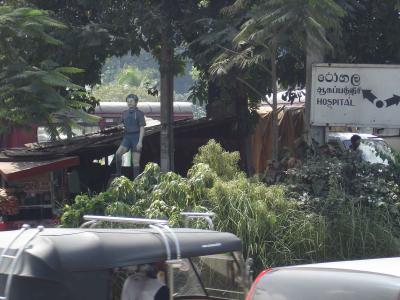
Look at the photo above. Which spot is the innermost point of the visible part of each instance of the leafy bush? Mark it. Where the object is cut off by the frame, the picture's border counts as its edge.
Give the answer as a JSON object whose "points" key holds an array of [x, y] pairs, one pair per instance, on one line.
{"points": [[328, 209], [223, 163], [359, 201], [273, 228], [83, 204]]}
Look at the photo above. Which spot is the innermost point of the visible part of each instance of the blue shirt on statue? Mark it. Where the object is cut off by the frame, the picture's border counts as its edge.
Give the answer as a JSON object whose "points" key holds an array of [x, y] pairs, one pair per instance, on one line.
{"points": [[133, 119]]}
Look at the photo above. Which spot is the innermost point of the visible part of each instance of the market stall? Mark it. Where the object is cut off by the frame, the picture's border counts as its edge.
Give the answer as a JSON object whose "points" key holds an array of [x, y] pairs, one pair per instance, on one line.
{"points": [[31, 190]]}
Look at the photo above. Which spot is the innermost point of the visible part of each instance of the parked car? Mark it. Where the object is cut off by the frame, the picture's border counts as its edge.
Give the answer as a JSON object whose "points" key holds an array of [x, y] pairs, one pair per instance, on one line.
{"points": [[348, 280], [374, 149]]}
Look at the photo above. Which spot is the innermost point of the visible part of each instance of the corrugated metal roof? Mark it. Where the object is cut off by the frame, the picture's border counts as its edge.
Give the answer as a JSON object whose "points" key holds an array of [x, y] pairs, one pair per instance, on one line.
{"points": [[108, 138], [20, 169]]}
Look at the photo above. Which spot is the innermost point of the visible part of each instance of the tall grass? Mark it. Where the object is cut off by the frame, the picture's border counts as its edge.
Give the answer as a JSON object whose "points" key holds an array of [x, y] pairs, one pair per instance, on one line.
{"points": [[355, 232], [273, 229]]}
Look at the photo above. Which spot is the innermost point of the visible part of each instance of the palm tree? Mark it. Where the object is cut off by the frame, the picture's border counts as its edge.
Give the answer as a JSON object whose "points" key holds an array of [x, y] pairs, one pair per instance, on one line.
{"points": [[274, 27]]}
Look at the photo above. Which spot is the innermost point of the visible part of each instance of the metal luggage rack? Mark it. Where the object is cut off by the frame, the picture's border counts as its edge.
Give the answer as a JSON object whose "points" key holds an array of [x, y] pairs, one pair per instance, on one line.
{"points": [[161, 226], [15, 258]]}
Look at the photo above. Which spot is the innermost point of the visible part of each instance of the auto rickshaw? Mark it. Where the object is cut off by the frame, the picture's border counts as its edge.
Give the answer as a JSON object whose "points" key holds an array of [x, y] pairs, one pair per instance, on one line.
{"points": [[91, 263]]}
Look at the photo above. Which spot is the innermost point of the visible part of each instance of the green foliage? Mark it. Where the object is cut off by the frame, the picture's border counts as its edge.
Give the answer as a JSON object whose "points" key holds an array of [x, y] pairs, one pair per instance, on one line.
{"points": [[33, 89], [375, 26], [356, 231], [223, 163], [132, 76], [359, 201], [276, 31], [273, 229], [141, 74], [118, 92], [83, 204], [321, 213], [34, 23], [199, 89], [119, 82], [123, 190]]}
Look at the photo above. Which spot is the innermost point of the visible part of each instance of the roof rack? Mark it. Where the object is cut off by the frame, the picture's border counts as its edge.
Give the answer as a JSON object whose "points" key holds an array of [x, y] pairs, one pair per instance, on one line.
{"points": [[161, 226], [208, 216], [92, 220], [15, 258]]}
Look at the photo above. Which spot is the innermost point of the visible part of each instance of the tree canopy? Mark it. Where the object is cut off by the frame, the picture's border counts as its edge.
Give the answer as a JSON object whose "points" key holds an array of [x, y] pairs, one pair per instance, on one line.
{"points": [[33, 88], [228, 29]]}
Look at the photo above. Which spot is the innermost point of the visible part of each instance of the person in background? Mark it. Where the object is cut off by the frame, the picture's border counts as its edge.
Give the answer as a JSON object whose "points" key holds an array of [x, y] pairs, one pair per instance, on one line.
{"points": [[355, 142], [143, 284], [134, 122], [355, 148]]}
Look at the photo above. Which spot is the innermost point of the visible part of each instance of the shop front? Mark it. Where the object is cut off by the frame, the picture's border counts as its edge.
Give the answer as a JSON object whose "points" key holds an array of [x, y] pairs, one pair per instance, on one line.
{"points": [[33, 192]]}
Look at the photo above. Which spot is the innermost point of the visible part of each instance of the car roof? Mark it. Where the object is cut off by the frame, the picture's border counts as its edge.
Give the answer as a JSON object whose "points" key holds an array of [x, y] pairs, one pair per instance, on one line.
{"points": [[348, 280], [69, 250], [385, 266], [348, 135]]}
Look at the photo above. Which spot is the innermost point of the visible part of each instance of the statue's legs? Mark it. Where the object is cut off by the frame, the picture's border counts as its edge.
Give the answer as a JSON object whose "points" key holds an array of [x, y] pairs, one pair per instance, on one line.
{"points": [[118, 159], [136, 163]]}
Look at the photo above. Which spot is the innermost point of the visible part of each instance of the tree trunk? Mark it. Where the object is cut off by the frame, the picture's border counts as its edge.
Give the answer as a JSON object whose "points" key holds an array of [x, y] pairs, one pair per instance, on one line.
{"points": [[238, 93], [275, 129], [167, 98], [313, 55]]}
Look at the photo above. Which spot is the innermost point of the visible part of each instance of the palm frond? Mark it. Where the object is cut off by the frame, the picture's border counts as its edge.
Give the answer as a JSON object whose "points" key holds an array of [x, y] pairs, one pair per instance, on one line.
{"points": [[236, 7], [316, 32]]}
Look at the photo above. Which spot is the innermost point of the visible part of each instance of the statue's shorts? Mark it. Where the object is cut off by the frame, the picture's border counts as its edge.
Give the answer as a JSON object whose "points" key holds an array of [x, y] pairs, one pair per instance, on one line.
{"points": [[130, 141]]}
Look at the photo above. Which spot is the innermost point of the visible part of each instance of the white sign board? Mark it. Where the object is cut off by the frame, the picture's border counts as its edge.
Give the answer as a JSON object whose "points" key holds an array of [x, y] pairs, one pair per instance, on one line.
{"points": [[355, 95]]}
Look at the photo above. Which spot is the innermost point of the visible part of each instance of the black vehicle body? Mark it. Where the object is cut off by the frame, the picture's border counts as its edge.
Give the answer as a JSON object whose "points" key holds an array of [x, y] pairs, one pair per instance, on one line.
{"points": [[78, 264]]}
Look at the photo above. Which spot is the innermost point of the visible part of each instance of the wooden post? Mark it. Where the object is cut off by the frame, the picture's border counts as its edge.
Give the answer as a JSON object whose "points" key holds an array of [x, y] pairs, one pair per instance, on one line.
{"points": [[167, 98]]}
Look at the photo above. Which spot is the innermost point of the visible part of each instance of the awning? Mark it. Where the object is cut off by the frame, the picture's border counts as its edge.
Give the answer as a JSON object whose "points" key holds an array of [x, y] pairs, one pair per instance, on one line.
{"points": [[20, 169]]}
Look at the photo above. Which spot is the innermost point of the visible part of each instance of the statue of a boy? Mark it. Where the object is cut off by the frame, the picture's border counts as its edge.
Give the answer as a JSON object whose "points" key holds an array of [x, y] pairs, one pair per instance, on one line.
{"points": [[134, 122]]}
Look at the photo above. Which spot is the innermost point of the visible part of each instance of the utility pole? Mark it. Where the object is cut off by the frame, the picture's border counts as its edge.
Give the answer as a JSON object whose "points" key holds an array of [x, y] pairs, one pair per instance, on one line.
{"points": [[167, 97]]}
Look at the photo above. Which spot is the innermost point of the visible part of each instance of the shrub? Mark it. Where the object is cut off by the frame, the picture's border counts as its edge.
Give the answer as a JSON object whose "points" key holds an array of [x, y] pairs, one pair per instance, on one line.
{"points": [[327, 209], [359, 202], [223, 163]]}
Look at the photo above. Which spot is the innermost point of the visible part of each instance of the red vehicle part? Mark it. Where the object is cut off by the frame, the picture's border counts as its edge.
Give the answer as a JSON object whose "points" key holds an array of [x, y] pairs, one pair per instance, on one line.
{"points": [[254, 285], [3, 225]]}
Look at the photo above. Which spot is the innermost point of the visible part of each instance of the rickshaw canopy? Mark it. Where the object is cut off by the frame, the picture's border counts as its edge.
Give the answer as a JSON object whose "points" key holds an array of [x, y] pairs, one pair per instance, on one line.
{"points": [[77, 264], [93, 249]]}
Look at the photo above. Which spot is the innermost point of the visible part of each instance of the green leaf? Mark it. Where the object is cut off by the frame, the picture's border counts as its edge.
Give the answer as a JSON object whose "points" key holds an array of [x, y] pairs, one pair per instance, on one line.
{"points": [[69, 70], [54, 80]]}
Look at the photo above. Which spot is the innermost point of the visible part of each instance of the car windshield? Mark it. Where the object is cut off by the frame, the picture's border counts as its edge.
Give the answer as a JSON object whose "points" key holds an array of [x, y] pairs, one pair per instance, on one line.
{"points": [[374, 150]]}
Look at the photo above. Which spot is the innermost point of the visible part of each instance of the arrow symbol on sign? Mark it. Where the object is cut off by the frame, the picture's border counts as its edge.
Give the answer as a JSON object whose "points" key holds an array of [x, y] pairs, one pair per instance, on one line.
{"points": [[395, 100], [367, 94]]}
